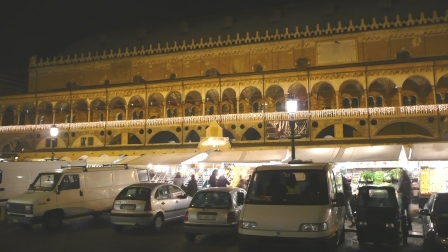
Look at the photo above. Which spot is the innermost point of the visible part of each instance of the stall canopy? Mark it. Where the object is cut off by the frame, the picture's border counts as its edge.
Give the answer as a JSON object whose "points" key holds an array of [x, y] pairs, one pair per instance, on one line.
{"points": [[318, 155], [104, 160], [371, 153], [164, 159], [251, 156], [429, 152]]}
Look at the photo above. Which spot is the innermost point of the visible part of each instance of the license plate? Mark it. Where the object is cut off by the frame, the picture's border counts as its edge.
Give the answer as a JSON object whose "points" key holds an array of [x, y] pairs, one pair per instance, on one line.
{"points": [[206, 216], [128, 207]]}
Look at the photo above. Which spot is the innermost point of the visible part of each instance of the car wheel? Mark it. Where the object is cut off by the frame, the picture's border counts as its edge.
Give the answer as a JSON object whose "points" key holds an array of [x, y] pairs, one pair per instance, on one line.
{"points": [[118, 228], [157, 223], [190, 237], [52, 221]]}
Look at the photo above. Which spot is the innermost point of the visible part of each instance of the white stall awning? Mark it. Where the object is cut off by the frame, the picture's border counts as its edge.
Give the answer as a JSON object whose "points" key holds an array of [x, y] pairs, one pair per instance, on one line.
{"points": [[429, 152], [103, 160], [251, 156], [318, 155], [371, 153], [162, 159]]}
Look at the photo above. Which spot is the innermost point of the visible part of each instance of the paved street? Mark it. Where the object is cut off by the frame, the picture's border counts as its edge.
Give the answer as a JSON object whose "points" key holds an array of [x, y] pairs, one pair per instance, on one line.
{"points": [[89, 234]]}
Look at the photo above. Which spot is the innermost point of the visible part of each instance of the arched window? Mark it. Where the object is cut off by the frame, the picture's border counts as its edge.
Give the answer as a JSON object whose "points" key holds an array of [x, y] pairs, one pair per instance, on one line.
{"points": [[405, 101], [371, 102], [439, 99], [174, 114], [255, 107], [355, 102], [74, 119], [187, 112], [305, 105], [193, 111], [224, 109], [67, 118], [241, 106], [101, 117], [258, 68], [211, 110], [379, 101], [346, 103], [119, 117], [41, 120], [278, 106], [168, 113], [413, 100]]}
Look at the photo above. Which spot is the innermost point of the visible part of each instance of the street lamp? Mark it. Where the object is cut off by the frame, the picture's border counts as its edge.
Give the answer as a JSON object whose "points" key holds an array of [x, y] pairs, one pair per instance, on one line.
{"points": [[53, 132], [291, 108]]}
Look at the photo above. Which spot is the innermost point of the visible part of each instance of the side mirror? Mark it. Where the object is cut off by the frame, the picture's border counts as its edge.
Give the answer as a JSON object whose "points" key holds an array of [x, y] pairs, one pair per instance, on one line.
{"points": [[240, 198], [424, 212], [59, 189], [339, 200]]}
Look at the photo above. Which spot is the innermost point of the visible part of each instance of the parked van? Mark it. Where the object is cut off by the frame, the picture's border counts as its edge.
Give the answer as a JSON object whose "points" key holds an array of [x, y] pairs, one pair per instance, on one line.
{"points": [[16, 177], [68, 193], [293, 205]]}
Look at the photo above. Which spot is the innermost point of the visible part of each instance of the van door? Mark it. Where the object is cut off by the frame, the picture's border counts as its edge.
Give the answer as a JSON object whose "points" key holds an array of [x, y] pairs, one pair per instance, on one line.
{"points": [[70, 197], [165, 202]]}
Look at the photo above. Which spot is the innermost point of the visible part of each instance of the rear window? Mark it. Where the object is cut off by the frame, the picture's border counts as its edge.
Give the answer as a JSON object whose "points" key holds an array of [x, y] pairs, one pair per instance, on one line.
{"points": [[288, 187], [134, 193], [211, 200], [377, 198]]}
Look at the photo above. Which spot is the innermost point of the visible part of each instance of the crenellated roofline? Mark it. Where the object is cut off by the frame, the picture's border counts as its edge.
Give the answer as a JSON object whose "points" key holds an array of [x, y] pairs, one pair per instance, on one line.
{"points": [[246, 39]]}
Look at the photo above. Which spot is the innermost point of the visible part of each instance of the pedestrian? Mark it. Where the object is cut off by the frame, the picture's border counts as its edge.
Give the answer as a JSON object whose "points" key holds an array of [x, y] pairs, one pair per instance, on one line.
{"points": [[348, 197], [213, 180], [192, 186], [405, 190], [242, 183], [178, 180], [223, 181]]}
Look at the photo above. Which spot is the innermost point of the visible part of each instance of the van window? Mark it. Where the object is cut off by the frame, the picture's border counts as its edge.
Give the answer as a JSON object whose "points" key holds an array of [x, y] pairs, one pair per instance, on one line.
{"points": [[70, 181], [45, 181], [143, 175], [288, 187]]}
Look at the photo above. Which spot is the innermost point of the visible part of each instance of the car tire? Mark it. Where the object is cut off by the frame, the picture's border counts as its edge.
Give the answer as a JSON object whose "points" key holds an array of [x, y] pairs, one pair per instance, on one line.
{"points": [[118, 228], [190, 237], [52, 221], [157, 223]]}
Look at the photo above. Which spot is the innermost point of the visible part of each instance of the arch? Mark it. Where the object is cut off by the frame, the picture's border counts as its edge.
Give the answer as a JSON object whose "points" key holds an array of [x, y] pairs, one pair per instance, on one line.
{"points": [[326, 132], [299, 92], [97, 110], [13, 146], [249, 95], [251, 134], [136, 107], [118, 117], [212, 72], [117, 108], [403, 128], [258, 68], [302, 63], [62, 109], [164, 137], [442, 90], [350, 131], [45, 112], [351, 89], [419, 87], [155, 106], [224, 109], [228, 134], [324, 96], [133, 139], [80, 111], [116, 140], [8, 115], [274, 94], [193, 101], [193, 136], [27, 114], [385, 88], [173, 102], [229, 98]]}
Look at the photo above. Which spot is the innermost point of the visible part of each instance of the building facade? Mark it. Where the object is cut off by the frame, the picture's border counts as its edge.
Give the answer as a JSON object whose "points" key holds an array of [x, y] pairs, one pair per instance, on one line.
{"points": [[367, 81]]}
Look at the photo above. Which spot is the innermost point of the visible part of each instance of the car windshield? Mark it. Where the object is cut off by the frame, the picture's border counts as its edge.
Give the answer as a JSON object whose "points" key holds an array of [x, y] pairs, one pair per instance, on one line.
{"points": [[134, 193], [373, 197], [45, 181], [209, 199], [288, 187], [441, 205]]}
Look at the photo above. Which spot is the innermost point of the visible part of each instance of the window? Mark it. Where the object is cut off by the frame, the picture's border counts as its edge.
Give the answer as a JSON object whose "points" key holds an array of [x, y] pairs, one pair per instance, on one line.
{"points": [[101, 117], [405, 101], [83, 141], [193, 111], [90, 139], [346, 103], [70, 181], [162, 193], [225, 109], [48, 142], [119, 117], [86, 141], [413, 100], [255, 107], [278, 106], [142, 175], [379, 101], [371, 102], [241, 106], [187, 112], [355, 102]]}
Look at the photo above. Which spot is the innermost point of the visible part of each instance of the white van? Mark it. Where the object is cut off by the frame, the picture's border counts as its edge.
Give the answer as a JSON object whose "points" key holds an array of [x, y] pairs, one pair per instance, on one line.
{"points": [[68, 193], [16, 177], [293, 205]]}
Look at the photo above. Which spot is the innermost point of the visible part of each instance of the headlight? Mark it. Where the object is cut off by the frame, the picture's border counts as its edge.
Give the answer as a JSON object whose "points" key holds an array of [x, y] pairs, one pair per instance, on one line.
{"points": [[313, 227], [248, 225], [390, 225]]}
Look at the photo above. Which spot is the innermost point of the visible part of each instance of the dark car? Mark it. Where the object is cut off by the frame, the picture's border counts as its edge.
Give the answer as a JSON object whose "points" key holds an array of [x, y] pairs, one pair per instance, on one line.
{"points": [[435, 222], [379, 218]]}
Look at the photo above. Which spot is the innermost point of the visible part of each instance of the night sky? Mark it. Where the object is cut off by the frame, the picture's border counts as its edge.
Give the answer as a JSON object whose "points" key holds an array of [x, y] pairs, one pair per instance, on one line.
{"points": [[45, 27]]}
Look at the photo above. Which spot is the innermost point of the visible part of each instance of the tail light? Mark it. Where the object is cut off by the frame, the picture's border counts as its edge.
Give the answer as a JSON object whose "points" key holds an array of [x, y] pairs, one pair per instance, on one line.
{"points": [[148, 205], [231, 217], [186, 216]]}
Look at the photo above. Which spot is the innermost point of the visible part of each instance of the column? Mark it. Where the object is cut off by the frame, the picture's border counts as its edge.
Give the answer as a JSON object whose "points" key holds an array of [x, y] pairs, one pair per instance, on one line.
{"points": [[54, 116], [88, 114], [399, 97], [203, 107]]}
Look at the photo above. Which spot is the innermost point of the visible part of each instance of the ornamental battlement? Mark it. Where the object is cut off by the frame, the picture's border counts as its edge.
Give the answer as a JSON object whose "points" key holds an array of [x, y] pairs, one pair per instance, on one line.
{"points": [[248, 38]]}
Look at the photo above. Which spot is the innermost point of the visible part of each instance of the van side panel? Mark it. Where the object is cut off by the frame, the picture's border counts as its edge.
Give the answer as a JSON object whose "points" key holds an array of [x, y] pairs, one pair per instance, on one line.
{"points": [[98, 190], [125, 177]]}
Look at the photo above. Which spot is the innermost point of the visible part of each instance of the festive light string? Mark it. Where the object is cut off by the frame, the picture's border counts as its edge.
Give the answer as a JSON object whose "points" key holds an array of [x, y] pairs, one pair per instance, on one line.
{"points": [[271, 116]]}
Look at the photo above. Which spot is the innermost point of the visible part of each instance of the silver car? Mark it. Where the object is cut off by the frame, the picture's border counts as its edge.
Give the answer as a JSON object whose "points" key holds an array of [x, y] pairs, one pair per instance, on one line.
{"points": [[149, 204], [213, 210]]}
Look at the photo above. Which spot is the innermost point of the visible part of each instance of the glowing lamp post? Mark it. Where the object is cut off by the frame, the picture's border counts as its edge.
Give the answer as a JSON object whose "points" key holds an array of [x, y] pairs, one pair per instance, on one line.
{"points": [[53, 132], [291, 108]]}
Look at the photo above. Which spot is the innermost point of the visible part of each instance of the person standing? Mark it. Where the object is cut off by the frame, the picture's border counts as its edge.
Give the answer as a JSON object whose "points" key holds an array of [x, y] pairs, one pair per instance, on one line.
{"points": [[192, 186], [348, 196], [178, 180], [213, 180], [405, 189], [222, 181]]}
